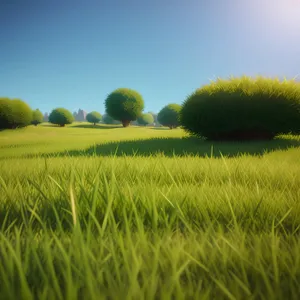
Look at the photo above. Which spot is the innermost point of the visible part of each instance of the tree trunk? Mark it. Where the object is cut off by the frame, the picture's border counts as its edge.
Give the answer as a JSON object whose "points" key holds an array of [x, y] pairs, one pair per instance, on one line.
{"points": [[125, 123], [62, 125]]}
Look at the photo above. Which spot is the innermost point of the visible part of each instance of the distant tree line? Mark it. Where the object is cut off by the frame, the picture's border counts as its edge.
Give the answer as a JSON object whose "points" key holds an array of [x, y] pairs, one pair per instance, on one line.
{"points": [[236, 109]]}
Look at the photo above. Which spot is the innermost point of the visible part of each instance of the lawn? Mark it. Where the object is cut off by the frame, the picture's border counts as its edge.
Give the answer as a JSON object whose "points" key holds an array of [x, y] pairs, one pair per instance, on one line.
{"points": [[107, 212]]}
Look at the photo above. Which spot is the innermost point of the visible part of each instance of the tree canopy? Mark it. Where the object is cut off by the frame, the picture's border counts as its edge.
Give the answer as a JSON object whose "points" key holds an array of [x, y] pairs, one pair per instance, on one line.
{"points": [[169, 115], [124, 105], [61, 117]]}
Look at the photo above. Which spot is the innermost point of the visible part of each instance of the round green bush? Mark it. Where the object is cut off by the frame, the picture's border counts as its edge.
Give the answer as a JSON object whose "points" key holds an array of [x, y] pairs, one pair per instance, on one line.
{"points": [[5, 113], [124, 105], [243, 109], [37, 117], [22, 113], [93, 117], [14, 113], [169, 115], [61, 117], [145, 119]]}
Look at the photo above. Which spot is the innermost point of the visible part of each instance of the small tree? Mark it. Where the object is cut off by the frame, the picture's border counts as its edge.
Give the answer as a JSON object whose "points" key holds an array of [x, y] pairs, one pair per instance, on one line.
{"points": [[154, 116], [61, 117], [169, 115], [145, 119], [37, 117], [124, 105], [93, 117]]}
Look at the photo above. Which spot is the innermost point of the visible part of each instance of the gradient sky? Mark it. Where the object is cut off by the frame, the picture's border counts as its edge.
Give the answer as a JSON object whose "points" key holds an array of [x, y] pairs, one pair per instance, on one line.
{"points": [[72, 54]]}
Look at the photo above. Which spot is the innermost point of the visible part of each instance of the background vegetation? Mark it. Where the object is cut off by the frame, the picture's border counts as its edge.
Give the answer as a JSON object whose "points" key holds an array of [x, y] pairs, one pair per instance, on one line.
{"points": [[37, 117], [169, 115], [146, 119]]}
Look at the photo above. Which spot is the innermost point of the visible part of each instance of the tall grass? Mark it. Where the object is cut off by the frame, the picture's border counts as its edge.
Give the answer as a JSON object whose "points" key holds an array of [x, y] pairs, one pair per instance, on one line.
{"points": [[147, 225]]}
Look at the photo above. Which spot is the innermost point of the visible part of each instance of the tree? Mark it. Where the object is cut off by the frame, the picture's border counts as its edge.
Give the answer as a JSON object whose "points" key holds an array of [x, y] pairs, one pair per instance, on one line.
{"points": [[154, 116], [37, 117], [145, 119], [107, 119], [124, 105], [93, 117], [169, 115], [61, 117], [14, 113]]}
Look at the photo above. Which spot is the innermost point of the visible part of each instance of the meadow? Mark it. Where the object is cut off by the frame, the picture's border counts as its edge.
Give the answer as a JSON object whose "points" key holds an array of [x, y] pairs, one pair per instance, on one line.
{"points": [[106, 212]]}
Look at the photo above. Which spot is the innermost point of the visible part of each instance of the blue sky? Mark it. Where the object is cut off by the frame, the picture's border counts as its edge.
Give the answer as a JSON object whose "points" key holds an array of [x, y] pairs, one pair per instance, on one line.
{"points": [[72, 54]]}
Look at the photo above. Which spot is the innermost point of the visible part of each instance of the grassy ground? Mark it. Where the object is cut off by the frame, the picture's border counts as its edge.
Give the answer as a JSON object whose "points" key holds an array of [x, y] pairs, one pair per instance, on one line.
{"points": [[147, 213]]}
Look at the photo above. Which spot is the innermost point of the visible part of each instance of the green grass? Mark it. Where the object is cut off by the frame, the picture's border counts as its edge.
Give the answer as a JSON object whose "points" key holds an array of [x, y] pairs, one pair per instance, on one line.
{"points": [[147, 213]]}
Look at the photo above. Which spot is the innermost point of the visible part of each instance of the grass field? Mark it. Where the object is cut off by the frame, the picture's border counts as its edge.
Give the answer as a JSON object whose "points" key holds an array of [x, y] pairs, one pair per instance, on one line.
{"points": [[147, 213]]}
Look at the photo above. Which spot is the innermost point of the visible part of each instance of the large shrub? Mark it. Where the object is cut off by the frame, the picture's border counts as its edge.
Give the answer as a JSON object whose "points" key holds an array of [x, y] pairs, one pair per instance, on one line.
{"points": [[243, 109], [37, 117], [14, 113], [145, 119], [22, 113], [125, 105], [169, 115], [5, 113], [93, 117], [61, 117]]}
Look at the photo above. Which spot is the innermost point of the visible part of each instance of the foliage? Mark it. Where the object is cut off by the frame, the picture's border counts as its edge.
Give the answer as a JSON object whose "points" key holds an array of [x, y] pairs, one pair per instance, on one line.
{"points": [[125, 105], [5, 113], [154, 117], [169, 115], [14, 113], [61, 117], [107, 119], [93, 117], [243, 109], [22, 113], [145, 119], [37, 117]]}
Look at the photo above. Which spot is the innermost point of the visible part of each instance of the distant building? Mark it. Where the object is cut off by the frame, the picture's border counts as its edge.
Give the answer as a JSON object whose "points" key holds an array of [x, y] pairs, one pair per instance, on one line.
{"points": [[46, 117], [80, 116]]}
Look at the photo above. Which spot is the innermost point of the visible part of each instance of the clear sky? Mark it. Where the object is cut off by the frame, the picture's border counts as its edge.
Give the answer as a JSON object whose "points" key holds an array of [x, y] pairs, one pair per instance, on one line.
{"points": [[72, 54]]}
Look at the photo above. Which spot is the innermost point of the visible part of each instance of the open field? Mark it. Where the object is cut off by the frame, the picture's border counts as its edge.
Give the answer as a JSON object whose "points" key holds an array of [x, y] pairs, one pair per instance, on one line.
{"points": [[108, 212]]}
